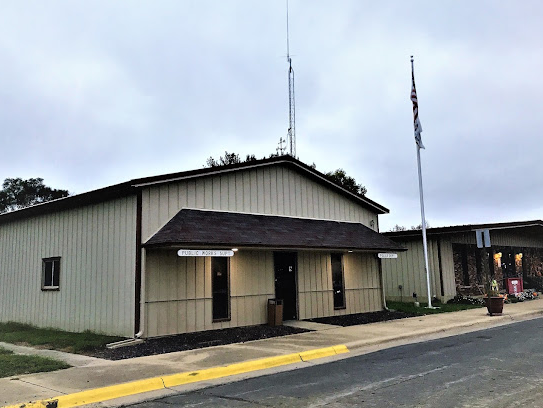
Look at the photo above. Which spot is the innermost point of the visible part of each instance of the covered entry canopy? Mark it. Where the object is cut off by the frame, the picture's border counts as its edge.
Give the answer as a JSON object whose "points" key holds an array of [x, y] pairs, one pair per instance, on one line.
{"points": [[205, 228]]}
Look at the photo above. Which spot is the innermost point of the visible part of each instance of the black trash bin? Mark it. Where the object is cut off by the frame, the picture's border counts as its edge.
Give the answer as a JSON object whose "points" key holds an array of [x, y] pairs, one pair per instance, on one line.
{"points": [[275, 312]]}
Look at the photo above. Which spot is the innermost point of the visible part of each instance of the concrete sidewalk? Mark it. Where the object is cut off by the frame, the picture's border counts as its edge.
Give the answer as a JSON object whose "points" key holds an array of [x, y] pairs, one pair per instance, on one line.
{"points": [[91, 373]]}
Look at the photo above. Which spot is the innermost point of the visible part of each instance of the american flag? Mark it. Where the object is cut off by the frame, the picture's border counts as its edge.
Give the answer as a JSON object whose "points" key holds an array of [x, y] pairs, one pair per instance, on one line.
{"points": [[416, 120]]}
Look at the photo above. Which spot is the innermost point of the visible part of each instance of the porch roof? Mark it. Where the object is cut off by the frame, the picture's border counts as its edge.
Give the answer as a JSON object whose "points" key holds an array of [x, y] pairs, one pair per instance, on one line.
{"points": [[217, 228]]}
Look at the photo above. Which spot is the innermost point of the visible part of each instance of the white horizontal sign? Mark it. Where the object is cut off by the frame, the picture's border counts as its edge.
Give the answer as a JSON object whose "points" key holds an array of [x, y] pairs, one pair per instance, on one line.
{"points": [[385, 255], [205, 252]]}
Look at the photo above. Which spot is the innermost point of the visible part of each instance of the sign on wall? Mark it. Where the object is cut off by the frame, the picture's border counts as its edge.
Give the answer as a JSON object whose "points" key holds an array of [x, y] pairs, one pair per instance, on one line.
{"points": [[205, 252], [386, 255], [483, 238]]}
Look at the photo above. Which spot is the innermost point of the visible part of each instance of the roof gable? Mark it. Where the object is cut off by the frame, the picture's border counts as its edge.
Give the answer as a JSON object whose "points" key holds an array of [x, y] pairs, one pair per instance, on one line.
{"points": [[286, 160], [133, 186]]}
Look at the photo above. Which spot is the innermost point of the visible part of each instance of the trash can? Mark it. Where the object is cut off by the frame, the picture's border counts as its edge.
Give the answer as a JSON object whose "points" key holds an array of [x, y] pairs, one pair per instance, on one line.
{"points": [[275, 312]]}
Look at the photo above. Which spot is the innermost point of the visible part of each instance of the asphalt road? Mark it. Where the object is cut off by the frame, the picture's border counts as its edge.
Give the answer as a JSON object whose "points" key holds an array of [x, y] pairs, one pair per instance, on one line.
{"points": [[499, 367]]}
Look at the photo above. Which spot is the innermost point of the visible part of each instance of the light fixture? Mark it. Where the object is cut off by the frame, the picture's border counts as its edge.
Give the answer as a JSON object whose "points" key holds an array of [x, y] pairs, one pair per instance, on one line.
{"points": [[349, 251], [235, 249], [498, 255]]}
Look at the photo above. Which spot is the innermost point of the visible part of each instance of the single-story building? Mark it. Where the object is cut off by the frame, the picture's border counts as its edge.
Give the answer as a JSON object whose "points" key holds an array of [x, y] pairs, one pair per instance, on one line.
{"points": [[108, 260], [455, 260]]}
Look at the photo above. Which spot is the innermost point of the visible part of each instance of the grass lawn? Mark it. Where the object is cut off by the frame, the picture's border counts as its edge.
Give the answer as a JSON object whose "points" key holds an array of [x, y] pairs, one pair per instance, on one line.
{"points": [[421, 310], [15, 364], [80, 343]]}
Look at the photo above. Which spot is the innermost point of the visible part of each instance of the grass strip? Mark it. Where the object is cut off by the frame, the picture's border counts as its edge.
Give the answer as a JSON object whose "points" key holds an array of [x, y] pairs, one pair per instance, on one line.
{"points": [[410, 307], [16, 364], [86, 342]]}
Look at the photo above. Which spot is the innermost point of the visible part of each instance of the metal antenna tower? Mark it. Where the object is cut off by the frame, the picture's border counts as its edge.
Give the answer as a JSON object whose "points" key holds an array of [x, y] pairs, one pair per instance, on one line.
{"points": [[291, 134]]}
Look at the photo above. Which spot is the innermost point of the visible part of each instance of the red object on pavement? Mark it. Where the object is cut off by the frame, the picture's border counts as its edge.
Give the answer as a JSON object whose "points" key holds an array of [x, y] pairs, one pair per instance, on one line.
{"points": [[514, 285]]}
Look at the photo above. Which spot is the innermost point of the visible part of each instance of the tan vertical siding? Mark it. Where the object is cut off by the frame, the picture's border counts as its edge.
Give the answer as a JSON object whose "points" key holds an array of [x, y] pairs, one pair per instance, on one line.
{"points": [[314, 285], [362, 287], [448, 268], [408, 270], [179, 297], [97, 245], [273, 190]]}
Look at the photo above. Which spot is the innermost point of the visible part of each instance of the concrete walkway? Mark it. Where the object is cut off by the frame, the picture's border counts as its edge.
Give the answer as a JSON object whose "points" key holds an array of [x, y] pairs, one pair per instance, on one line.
{"points": [[90, 373]]}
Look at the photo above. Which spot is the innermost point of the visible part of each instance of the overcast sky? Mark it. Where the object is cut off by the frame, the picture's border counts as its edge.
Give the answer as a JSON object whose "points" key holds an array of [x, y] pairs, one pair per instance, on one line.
{"points": [[94, 93]]}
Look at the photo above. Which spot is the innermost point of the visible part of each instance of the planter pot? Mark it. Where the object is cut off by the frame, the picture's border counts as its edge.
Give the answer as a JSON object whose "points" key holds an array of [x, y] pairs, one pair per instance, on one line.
{"points": [[494, 305]]}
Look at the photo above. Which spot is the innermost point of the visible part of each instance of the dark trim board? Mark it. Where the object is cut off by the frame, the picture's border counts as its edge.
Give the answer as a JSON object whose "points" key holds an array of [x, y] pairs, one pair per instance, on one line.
{"points": [[138, 272]]}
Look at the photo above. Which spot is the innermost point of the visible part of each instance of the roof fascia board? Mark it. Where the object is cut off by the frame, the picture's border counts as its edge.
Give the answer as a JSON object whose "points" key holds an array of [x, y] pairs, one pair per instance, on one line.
{"points": [[198, 175], [271, 248], [66, 203]]}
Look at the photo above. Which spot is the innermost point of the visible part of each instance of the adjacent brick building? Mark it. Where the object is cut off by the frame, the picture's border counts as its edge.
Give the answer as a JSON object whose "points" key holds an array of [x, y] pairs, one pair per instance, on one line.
{"points": [[455, 262]]}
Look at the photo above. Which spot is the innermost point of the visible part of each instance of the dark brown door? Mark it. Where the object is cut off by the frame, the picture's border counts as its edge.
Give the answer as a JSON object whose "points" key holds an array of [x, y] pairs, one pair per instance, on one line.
{"points": [[220, 285], [285, 282]]}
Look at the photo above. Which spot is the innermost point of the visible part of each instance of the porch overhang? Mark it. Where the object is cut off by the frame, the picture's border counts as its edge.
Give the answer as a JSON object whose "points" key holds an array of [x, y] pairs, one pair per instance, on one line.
{"points": [[204, 228]]}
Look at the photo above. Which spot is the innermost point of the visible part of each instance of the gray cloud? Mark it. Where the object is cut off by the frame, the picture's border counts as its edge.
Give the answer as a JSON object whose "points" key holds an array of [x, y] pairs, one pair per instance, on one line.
{"points": [[94, 93]]}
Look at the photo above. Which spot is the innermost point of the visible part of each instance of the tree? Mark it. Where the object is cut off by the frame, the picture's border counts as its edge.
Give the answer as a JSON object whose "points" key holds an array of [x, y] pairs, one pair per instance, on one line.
{"points": [[419, 227], [17, 193], [338, 177], [347, 182], [412, 228], [228, 158]]}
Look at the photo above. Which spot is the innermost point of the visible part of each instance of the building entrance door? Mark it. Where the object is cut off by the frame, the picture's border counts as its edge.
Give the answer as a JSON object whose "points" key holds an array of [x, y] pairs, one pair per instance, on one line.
{"points": [[285, 282]]}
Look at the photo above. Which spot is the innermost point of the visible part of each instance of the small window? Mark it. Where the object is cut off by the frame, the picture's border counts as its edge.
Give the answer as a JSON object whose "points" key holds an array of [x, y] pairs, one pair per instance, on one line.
{"points": [[220, 283], [338, 284], [50, 273]]}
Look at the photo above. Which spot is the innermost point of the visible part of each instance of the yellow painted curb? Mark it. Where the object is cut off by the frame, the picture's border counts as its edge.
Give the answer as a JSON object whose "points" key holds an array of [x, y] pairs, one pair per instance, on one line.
{"points": [[317, 353], [157, 383]]}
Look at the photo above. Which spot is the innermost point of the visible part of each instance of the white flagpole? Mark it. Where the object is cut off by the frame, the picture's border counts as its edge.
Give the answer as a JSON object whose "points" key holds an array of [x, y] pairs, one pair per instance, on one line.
{"points": [[423, 218], [424, 243]]}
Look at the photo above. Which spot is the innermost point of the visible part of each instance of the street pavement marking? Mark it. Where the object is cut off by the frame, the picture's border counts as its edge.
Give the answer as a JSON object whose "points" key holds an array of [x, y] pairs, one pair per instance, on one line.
{"points": [[157, 383]]}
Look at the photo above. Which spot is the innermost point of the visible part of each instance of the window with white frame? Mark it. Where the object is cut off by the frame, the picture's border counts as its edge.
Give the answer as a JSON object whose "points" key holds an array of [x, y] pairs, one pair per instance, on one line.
{"points": [[50, 273]]}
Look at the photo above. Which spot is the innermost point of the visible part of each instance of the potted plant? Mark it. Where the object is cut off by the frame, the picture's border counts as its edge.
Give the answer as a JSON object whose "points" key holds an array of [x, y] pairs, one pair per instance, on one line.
{"points": [[494, 301]]}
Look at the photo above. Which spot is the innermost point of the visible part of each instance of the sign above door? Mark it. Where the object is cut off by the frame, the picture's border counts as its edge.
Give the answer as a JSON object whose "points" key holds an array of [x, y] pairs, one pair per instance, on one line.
{"points": [[205, 252]]}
